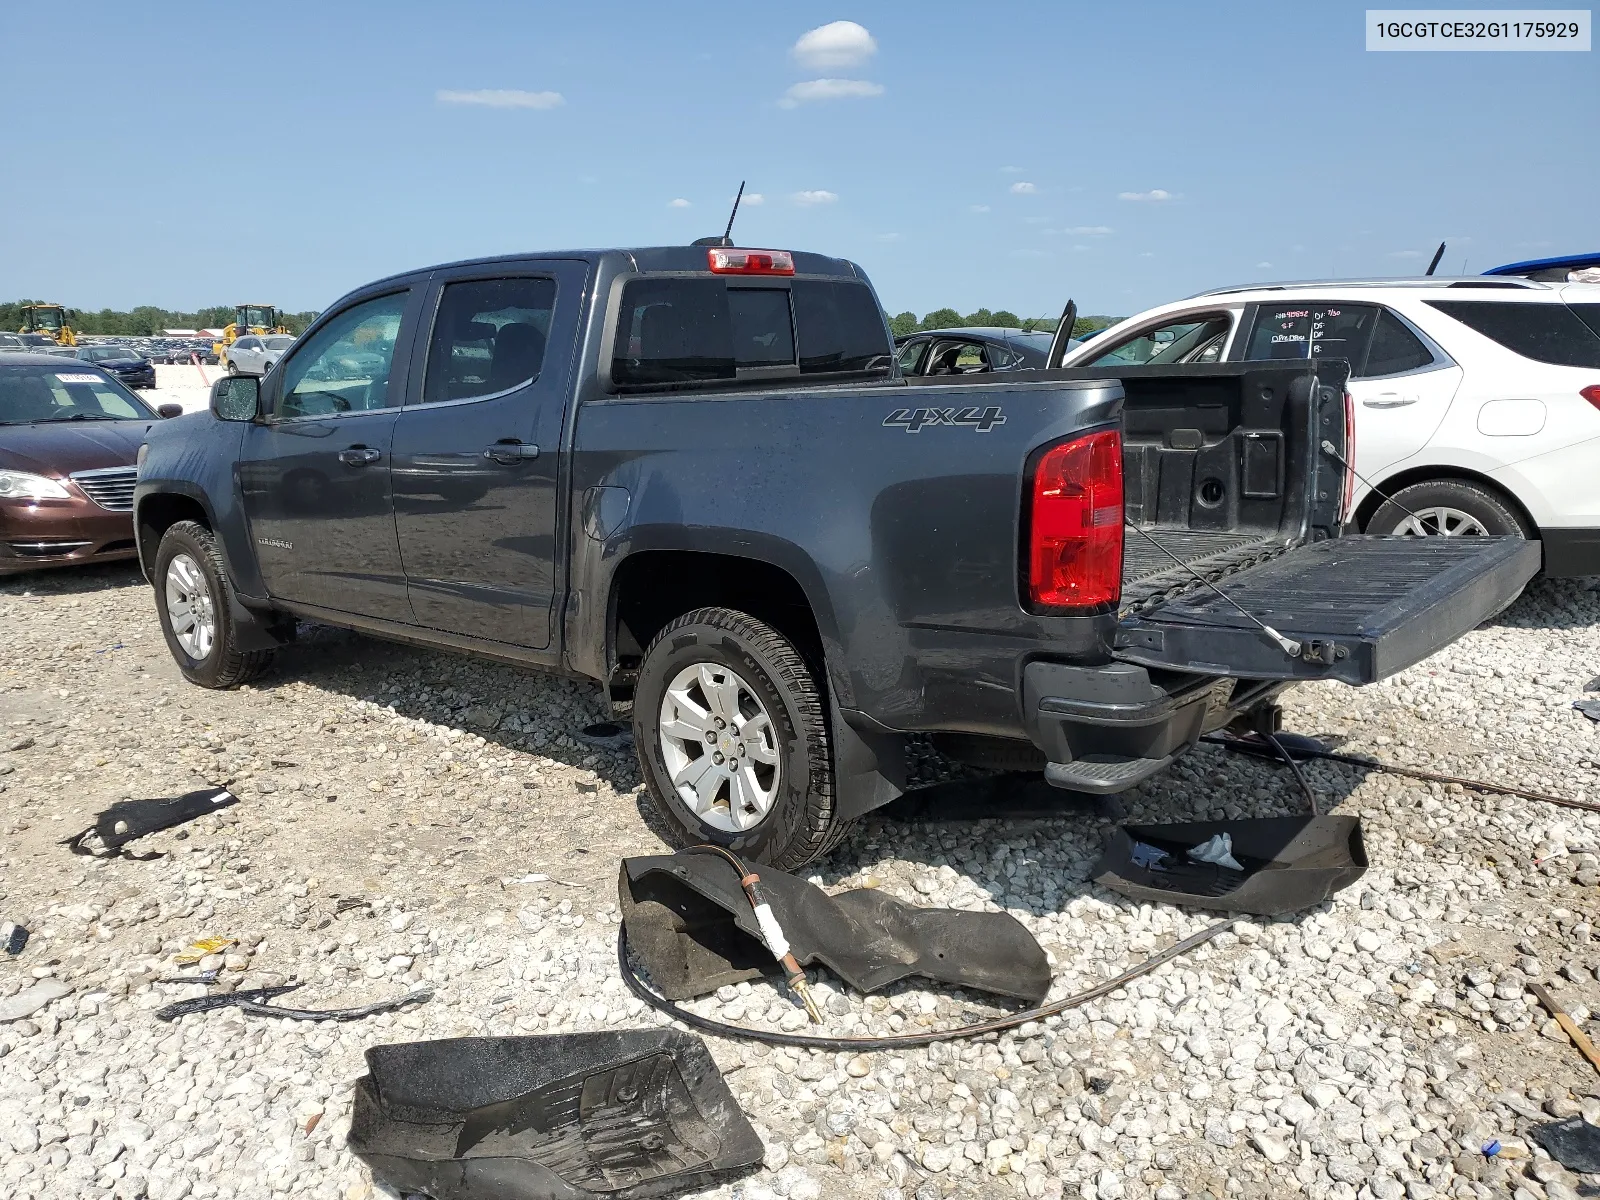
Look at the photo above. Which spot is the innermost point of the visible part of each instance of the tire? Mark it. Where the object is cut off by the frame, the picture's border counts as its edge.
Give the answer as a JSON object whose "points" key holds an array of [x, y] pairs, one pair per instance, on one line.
{"points": [[214, 662], [789, 818], [232, 370], [1448, 507], [265, 367]]}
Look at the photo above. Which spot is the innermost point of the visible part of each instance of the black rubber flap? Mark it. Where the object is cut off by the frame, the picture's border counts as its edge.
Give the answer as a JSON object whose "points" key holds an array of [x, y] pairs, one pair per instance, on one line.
{"points": [[693, 929], [1288, 863], [622, 1114], [1573, 1143]]}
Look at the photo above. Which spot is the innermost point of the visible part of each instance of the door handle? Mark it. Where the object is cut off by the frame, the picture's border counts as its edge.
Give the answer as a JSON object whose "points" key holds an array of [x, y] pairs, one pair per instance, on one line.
{"points": [[1388, 400], [510, 451], [359, 456]]}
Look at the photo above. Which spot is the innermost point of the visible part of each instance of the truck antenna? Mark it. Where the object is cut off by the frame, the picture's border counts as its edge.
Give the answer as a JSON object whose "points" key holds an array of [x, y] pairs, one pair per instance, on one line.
{"points": [[727, 234], [1437, 255]]}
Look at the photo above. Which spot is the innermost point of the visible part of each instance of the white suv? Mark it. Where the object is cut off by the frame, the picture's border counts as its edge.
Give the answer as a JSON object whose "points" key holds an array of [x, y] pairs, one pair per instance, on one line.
{"points": [[1476, 401]]}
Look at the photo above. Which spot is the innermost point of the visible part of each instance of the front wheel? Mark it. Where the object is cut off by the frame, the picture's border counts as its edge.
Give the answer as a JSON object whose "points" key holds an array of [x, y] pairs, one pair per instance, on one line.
{"points": [[192, 591], [232, 370], [732, 739], [1447, 508]]}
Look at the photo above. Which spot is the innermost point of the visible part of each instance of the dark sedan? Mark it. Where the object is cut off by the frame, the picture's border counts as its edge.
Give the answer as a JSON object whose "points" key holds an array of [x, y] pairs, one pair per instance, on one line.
{"points": [[972, 351], [129, 366], [69, 434]]}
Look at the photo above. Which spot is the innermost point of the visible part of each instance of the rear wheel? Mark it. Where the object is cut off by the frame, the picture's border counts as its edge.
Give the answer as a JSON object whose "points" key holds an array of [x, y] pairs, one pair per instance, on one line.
{"points": [[733, 741], [1447, 508], [192, 595]]}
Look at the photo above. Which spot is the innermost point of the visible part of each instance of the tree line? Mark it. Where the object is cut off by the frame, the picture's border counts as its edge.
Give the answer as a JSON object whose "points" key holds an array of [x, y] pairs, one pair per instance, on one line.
{"points": [[146, 320], [948, 318]]}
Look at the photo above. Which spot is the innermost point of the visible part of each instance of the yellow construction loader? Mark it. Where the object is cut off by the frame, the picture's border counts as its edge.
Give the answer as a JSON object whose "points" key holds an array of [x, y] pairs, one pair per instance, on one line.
{"points": [[50, 320], [259, 319]]}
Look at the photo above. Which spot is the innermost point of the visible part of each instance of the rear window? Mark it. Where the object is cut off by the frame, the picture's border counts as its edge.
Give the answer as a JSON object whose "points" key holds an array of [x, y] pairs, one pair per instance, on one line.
{"points": [[1547, 333], [704, 330]]}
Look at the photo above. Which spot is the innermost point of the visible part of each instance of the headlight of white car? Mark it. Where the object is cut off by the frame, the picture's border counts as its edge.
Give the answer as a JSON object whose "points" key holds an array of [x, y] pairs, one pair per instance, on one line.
{"points": [[19, 485]]}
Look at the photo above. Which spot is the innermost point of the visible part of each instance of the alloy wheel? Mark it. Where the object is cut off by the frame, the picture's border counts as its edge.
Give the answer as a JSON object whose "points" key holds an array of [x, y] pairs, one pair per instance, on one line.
{"points": [[190, 609], [720, 747]]}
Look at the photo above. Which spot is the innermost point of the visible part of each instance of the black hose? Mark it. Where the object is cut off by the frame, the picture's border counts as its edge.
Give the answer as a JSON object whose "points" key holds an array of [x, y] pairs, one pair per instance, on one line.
{"points": [[1299, 775], [1241, 745], [902, 1041]]}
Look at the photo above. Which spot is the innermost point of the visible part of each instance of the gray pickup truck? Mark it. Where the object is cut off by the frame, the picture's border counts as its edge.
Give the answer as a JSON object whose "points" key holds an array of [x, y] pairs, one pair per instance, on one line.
{"points": [[696, 475]]}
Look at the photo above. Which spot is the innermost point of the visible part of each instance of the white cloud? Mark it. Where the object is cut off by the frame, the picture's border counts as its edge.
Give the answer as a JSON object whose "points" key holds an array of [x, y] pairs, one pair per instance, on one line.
{"points": [[1011, 170], [1147, 254], [818, 196], [836, 44], [1155, 194], [1405, 254], [1262, 266], [888, 237], [680, 202], [829, 89], [502, 98], [750, 198], [1023, 188], [1089, 230], [980, 208]]}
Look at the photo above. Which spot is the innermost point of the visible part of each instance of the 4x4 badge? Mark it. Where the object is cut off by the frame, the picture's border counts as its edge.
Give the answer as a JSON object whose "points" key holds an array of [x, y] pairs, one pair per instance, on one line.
{"points": [[912, 420]]}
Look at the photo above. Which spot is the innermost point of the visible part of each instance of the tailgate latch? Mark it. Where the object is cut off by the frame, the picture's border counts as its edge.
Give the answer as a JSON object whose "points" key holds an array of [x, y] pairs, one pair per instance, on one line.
{"points": [[1313, 650]]}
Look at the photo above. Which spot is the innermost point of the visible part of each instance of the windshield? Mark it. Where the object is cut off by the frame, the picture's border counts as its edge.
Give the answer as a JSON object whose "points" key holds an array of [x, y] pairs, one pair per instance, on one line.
{"points": [[111, 354], [47, 318], [277, 343], [256, 315], [70, 392]]}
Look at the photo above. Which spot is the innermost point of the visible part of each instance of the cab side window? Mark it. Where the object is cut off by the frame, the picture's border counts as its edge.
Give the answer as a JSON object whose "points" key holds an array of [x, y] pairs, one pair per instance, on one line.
{"points": [[489, 337], [1189, 339], [911, 356], [345, 365]]}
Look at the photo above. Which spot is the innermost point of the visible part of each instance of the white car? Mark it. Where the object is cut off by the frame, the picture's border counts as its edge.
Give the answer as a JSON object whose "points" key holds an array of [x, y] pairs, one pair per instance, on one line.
{"points": [[254, 354], [1475, 401]]}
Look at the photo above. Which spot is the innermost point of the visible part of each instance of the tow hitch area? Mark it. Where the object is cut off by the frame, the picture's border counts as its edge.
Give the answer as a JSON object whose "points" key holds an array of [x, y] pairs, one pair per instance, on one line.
{"points": [[1359, 609]]}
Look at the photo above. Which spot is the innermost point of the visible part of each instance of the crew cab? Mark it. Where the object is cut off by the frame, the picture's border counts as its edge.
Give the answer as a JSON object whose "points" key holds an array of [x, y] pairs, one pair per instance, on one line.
{"points": [[696, 475]]}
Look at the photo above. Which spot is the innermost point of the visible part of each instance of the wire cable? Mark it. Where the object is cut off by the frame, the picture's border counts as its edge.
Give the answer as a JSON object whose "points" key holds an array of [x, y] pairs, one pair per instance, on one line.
{"points": [[902, 1041], [1328, 448], [1238, 744], [1299, 775], [1288, 645]]}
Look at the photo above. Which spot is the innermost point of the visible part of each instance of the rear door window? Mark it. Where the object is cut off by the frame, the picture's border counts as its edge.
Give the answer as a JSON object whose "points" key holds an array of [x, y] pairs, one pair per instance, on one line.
{"points": [[1395, 349], [489, 337], [1546, 333], [1312, 329], [911, 356], [706, 330]]}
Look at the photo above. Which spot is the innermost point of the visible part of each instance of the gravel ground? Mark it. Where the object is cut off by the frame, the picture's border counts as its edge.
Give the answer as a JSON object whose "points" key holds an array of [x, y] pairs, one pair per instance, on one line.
{"points": [[412, 818], [182, 384]]}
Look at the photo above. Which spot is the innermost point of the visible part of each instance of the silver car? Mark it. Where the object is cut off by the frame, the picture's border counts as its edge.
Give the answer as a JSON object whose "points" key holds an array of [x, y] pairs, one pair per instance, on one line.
{"points": [[254, 354]]}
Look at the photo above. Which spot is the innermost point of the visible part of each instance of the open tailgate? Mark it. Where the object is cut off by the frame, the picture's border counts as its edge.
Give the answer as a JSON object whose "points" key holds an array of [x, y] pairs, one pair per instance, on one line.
{"points": [[1362, 608]]}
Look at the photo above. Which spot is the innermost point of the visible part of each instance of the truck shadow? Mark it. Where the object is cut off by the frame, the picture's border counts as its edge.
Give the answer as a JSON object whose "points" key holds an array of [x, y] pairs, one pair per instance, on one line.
{"points": [[73, 581]]}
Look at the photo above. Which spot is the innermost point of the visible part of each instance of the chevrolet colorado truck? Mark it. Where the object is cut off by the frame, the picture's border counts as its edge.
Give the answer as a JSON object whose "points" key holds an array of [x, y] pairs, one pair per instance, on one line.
{"points": [[695, 475]]}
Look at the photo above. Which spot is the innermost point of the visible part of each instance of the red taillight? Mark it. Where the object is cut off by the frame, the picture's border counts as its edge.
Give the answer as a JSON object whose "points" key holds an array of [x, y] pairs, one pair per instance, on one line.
{"points": [[750, 262], [1591, 394], [1075, 524], [1347, 509]]}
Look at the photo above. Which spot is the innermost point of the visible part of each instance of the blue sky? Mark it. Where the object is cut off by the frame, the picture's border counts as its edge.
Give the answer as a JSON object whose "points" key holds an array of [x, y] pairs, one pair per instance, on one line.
{"points": [[965, 155]]}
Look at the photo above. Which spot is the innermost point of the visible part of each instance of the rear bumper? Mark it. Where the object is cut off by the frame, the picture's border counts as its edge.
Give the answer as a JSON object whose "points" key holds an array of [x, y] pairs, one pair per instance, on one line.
{"points": [[1107, 729]]}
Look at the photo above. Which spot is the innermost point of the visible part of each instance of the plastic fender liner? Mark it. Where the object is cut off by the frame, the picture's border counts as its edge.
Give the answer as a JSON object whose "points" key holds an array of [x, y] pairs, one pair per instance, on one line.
{"points": [[623, 1114], [693, 929]]}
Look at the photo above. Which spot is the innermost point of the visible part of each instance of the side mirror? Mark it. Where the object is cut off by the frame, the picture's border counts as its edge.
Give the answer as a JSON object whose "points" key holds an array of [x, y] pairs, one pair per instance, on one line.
{"points": [[169, 410], [236, 397]]}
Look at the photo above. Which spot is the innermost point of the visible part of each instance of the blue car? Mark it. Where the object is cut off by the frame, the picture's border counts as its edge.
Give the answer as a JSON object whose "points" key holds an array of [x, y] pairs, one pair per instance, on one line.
{"points": [[1549, 270], [131, 368]]}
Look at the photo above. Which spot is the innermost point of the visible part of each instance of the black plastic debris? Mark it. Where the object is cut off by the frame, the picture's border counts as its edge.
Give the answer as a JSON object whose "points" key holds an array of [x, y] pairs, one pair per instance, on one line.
{"points": [[1285, 864], [1589, 708], [623, 1114], [605, 735], [255, 1002], [16, 935], [693, 929], [128, 820], [1574, 1143]]}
